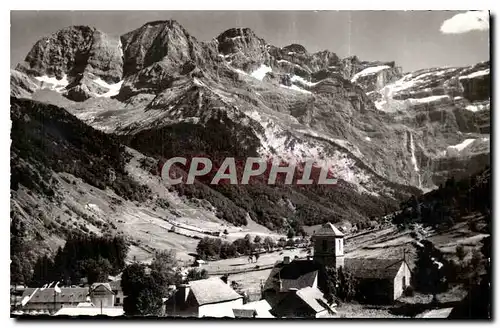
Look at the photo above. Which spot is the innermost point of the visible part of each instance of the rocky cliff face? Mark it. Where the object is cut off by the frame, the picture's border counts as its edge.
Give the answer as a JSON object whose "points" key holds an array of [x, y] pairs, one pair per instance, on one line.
{"points": [[78, 61], [384, 134]]}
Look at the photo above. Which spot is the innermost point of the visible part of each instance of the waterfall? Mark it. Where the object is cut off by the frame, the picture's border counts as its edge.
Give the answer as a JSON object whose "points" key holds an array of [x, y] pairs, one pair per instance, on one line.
{"points": [[414, 160]]}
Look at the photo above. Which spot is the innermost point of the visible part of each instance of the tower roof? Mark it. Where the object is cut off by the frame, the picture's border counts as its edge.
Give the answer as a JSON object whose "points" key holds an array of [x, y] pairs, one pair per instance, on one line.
{"points": [[329, 229]]}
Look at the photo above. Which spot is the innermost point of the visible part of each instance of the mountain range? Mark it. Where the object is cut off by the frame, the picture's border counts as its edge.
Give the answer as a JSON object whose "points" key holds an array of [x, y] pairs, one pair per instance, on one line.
{"points": [[93, 116]]}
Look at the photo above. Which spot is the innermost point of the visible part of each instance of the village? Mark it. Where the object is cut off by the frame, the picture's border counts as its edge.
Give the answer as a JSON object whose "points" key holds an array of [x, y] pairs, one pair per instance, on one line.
{"points": [[312, 279]]}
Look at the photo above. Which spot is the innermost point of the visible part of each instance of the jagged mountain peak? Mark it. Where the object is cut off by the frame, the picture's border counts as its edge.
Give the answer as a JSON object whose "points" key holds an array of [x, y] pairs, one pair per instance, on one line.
{"points": [[61, 60], [74, 50], [160, 41]]}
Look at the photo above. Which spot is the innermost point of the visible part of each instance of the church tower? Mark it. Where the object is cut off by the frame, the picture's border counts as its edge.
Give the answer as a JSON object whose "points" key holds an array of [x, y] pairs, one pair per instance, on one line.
{"points": [[329, 246]]}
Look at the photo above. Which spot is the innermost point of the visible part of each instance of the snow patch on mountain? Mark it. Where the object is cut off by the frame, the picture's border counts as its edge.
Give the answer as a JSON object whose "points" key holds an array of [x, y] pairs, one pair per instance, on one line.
{"points": [[53, 82], [461, 146], [295, 88], [475, 74], [300, 79], [261, 72], [113, 89], [478, 107], [425, 100], [455, 150], [368, 71]]}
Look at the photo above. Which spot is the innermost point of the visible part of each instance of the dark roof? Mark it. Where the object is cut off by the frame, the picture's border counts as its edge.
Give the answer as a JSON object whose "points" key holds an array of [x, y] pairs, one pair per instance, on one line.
{"points": [[67, 295], [297, 274], [309, 297], [373, 268], [212, 290], [302, 281], [329, 229], [245, 313]]}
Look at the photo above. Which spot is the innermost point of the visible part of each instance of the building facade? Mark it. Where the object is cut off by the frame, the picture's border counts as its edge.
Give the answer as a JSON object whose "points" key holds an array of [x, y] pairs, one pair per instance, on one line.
{"points": [[329, 246], [379, 280], [101, 295]]}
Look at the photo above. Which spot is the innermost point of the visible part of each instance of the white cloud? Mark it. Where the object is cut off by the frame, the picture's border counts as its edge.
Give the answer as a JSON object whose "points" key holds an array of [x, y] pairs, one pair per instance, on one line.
{"points": [[466, 22]]}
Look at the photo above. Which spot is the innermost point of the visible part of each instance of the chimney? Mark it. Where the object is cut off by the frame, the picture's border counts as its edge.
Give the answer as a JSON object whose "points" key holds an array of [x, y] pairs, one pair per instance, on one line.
{"points": [[183, 292], [286, 260]]}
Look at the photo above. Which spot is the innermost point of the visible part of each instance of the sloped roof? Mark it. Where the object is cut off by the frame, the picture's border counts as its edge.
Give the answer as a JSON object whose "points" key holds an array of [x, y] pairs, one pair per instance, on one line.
{"points": [[305, 280], [373, 268], [314, 298], [329, 229], [297, 274], [91, 311], [212, 290], [106, 285], [67, 295], [311, 297], [262, 307]]}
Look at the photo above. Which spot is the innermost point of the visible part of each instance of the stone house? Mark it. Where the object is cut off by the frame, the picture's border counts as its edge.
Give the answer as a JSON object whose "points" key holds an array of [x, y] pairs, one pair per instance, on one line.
{"points": [[379, 280], [204, 298]]}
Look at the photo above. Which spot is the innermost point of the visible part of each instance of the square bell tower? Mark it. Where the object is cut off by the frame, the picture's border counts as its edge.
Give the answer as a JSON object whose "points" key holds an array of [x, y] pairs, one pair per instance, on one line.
{"points": [[329, 246]]}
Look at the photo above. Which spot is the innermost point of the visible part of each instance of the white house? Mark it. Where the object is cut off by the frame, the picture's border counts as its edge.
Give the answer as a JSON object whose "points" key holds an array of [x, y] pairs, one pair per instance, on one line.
{"points": [[204, 298]]}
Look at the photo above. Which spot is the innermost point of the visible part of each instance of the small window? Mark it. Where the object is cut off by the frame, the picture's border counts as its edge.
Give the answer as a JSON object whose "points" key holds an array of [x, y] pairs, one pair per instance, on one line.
{"points": [[117, 300], [404, 281]]}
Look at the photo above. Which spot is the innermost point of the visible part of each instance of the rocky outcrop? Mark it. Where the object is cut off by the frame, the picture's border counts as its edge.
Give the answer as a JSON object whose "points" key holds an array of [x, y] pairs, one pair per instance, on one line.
{"points": [[243, 48], [158, 53], [71, 53], [165, 43], [22, 85]]}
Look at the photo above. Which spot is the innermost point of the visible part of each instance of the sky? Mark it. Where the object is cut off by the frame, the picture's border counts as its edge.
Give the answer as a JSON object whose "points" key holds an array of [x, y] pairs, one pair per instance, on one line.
{"points": [[413, 39]]}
